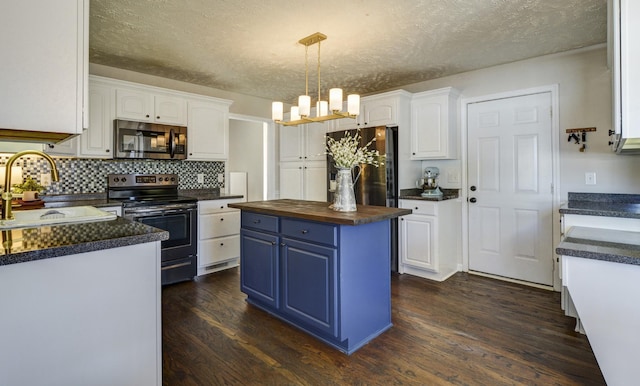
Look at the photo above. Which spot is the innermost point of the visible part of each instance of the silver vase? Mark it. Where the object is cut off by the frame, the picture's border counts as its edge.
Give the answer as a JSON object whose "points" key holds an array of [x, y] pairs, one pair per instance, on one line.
{"points": [[344, 198]]}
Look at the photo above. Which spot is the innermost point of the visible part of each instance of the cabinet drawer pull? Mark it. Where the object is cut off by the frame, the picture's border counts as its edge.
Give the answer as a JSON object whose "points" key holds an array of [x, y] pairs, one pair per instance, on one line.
{"points": [[304, 231], [222, 244], [256, 221], [221, 219]]}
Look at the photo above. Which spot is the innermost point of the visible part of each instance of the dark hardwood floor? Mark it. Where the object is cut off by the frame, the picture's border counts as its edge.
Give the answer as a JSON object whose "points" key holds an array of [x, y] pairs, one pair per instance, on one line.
{"points": [[468, 330]]}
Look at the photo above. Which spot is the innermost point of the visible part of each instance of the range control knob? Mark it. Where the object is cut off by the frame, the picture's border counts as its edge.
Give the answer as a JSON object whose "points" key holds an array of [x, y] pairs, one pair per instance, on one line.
{"points": [[116, 179], [123, 179]]}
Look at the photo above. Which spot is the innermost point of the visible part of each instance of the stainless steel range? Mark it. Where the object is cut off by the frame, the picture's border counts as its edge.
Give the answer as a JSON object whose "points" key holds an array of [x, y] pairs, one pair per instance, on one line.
{"points": [[153, 199]]}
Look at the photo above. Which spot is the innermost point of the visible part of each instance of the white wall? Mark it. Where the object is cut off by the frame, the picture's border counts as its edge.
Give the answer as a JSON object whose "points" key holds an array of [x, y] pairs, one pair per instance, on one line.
{"points": [[585, 101], [246, 155]]}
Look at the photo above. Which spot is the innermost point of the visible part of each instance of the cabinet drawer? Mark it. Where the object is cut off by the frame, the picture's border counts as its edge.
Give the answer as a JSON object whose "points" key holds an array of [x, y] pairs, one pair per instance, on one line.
{"points": [[310, 231], [219, 224], [420, 207], [213, 206], [260, 221], [219, 249]]}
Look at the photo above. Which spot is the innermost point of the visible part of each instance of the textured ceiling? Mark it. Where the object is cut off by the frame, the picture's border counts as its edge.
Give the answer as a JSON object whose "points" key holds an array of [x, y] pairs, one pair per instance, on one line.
{"points": [[251, 46]]}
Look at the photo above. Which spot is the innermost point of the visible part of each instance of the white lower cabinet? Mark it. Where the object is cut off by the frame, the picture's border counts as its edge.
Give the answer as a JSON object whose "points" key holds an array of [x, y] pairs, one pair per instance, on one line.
{"points": [[430, 238], [218, 235]]}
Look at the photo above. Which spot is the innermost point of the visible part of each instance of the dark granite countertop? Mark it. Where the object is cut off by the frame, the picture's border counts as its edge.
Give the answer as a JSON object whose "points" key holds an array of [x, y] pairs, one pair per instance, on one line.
{"points": [[28, 244], [603, 204], [207, 194], [45, 242], [414, 194], [319, 211], [602, 244]]}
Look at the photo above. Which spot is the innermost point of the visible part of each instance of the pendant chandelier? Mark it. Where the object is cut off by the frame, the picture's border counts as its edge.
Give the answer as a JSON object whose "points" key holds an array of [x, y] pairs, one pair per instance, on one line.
{"points": [[302, 112]]}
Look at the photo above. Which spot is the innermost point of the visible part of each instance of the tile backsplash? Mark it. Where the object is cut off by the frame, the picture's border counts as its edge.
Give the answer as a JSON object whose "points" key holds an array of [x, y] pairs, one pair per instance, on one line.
{"points": [[90, 175]]}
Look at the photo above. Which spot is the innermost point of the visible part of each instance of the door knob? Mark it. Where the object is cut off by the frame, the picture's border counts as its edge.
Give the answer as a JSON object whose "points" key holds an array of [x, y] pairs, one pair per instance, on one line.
{"points": [[472, 200], [473, 188]]}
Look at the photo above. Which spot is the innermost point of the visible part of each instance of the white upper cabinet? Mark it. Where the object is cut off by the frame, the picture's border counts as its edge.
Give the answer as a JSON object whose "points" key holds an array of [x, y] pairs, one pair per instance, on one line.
{"points": [[145, 106], [44, 65], [97, 140], [375, 110], [434, 124], [624, 60], [208, 129], [303, 143]]}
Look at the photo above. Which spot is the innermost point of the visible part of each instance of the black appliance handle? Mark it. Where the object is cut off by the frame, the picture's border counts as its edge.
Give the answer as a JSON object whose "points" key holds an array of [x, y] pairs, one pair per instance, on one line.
{"points": [[172, 145]]}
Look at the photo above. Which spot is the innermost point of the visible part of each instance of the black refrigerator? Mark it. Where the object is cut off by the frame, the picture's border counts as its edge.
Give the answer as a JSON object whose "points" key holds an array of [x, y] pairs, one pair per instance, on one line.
{"points": [[375, 185]]}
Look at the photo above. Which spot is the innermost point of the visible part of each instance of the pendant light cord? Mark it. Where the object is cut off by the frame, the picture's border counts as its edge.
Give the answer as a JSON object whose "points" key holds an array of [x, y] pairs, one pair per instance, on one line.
{"points": [[319, 77], [306, 70]]}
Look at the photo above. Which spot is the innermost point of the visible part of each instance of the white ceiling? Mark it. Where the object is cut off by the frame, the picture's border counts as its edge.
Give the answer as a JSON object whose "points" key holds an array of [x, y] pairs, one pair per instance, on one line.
{"points": [[251, 46]]}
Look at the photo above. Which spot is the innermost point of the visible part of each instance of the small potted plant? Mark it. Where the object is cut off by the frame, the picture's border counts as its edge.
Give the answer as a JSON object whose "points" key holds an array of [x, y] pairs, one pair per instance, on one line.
{"points": [[30, 189]]}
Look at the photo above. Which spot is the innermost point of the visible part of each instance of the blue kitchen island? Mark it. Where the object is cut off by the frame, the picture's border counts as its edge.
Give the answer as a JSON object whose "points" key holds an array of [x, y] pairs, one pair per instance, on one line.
{"points": [[325, 272]]}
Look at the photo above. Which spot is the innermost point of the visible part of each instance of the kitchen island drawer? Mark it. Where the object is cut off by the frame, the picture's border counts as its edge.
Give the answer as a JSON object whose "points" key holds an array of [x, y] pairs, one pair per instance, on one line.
{"points": [[260, 221], [310, 231], [219, 224], [219, 249]]}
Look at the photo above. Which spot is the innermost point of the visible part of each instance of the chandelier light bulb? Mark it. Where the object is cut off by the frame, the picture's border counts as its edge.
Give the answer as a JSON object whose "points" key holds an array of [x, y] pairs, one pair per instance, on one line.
{"points": [[322, 108], [353, 104], [335, 99], [304, 105], [277, 111], [295, 113]]}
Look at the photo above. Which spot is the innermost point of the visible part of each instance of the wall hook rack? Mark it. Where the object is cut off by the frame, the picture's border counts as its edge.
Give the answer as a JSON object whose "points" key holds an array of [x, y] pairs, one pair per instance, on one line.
{"points": [[579, 135]]}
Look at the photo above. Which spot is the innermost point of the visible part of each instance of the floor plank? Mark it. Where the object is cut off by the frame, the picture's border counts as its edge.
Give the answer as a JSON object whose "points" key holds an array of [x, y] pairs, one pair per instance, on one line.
{"points": [[468, 330]]}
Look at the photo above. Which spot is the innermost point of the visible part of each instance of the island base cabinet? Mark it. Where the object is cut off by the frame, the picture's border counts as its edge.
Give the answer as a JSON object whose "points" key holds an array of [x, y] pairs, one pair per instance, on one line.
{"points": [[308, 281], [331, 281], [85, 319], [259, 266]]}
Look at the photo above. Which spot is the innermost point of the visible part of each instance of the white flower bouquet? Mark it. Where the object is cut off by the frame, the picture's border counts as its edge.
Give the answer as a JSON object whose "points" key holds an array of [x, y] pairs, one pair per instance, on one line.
{"points": [[347, 154]]}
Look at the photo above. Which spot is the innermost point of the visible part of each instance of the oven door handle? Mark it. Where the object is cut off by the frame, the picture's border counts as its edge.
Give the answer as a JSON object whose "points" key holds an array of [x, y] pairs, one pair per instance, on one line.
{"points": [[156, 212], [175, 266]]}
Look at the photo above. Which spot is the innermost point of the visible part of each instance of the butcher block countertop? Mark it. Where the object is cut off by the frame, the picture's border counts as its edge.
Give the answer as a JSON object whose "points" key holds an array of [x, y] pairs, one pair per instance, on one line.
{"points": [[320, 211]]}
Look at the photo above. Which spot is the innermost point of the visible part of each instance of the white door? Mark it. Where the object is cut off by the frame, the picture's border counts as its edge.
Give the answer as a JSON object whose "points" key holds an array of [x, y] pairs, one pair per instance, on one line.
{"points": [[510, 182]]}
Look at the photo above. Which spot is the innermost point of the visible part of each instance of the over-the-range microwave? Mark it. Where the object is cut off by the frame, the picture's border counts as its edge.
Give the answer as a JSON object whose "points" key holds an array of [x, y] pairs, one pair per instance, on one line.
{"points": [[149, 140]]}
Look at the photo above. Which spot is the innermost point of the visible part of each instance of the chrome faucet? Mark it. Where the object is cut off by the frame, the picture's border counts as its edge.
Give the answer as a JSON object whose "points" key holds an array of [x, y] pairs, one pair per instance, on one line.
{"points": [[6, 194]]}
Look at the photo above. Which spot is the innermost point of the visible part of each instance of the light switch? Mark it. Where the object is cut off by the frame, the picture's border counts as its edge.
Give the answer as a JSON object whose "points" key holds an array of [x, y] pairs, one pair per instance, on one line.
{"points": [[590, 178], [221, 177], [201, 178]]}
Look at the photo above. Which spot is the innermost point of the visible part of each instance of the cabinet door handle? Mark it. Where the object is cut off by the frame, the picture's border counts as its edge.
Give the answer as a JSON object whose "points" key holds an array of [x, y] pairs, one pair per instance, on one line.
{"points": [[416, 208], [107, 150], [273, 243], [147, 115], [158, 117], [305, 231], [222, 244], [472, 200], [256, 221], [283, 244], [222, 219]]}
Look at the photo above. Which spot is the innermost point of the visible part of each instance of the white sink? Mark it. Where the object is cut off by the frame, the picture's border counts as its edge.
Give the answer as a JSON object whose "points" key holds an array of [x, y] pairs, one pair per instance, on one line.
{"points": [[50, 216]]}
